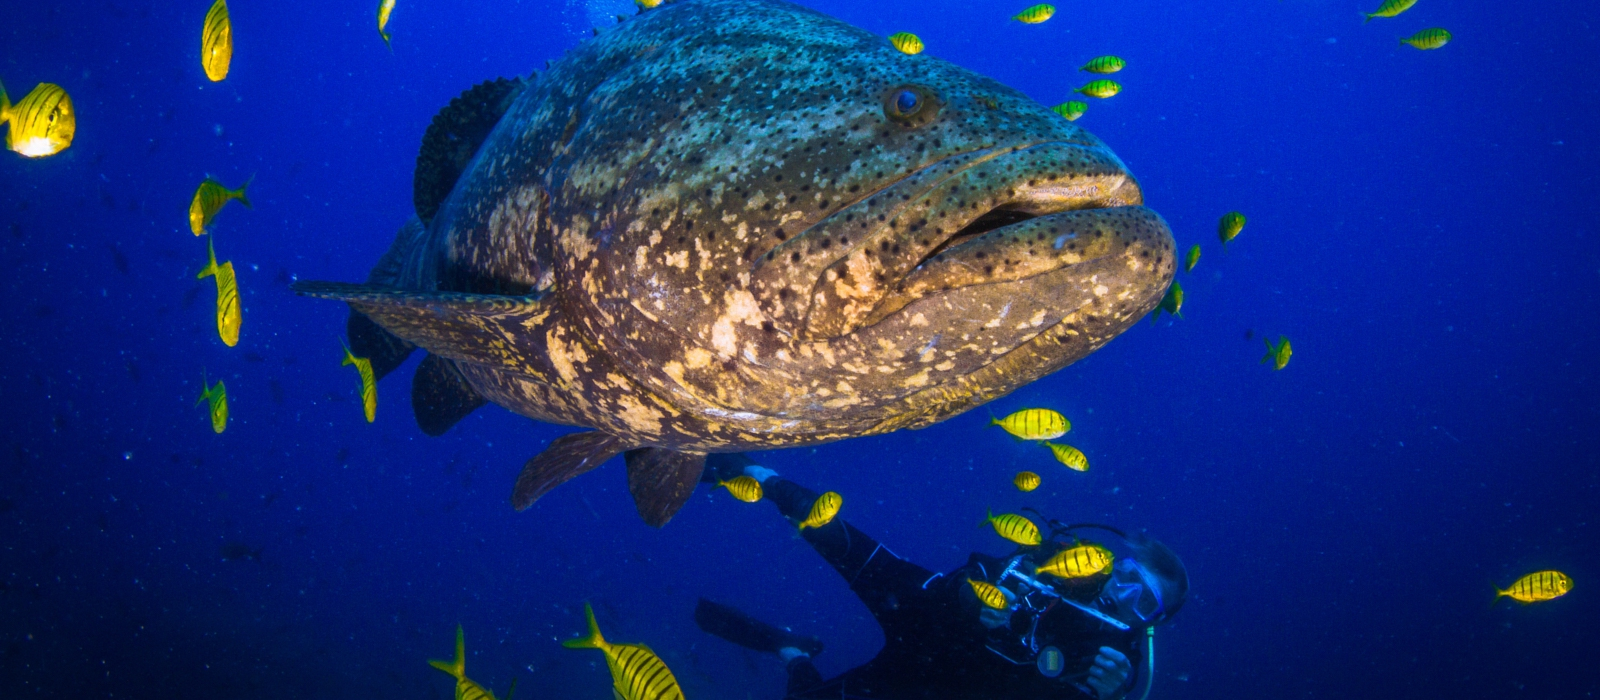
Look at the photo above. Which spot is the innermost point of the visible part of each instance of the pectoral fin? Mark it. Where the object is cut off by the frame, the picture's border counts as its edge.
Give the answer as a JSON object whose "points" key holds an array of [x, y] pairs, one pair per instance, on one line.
{"points": [[566, 457], [661, 481], [499, 331]]}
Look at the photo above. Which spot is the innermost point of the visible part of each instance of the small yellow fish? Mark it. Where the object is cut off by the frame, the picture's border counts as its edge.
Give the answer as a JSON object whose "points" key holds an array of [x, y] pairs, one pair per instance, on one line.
{"points": [[385, 7], [1278, 354], [1026, 481], [648, 4], [229, 314], [1537, 587], [1082, 561], [1014, 527], [1036, 14], [1071, 109], [823, 510], [1171, 302], [1192, 259], [1034, 424], [1070, 456], [1229, 226], [636, 672], [209, 198], [1104, 65], [1100, 88], [218, 397], [1428, 39], [369, 384], [906, 42], [43, 122], [216, 42], [466, 688], [744, 488], [989, 594], [1390, 8]]}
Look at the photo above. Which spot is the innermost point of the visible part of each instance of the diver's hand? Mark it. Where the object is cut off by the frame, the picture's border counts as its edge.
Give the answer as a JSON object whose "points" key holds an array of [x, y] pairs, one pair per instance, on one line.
{"points": [[1109, 673], [995, 619]]}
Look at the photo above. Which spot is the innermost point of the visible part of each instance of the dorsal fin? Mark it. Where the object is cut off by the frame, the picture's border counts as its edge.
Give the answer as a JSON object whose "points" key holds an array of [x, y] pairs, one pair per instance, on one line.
{"points": [[453, 138]]}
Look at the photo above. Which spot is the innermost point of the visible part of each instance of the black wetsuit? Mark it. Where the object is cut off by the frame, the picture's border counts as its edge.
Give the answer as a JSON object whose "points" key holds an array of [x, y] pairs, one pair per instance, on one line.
{"points": [[934, 645]]}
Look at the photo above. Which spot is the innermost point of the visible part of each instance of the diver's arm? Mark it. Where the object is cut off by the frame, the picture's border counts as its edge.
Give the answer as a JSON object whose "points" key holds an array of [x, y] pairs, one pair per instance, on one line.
{"points": [[1110, 674]]}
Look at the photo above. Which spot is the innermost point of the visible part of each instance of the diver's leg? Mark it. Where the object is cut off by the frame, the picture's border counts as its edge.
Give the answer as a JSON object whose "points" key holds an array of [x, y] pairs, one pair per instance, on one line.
{"points": [[733, 625], [878, 576], [804, 680]]}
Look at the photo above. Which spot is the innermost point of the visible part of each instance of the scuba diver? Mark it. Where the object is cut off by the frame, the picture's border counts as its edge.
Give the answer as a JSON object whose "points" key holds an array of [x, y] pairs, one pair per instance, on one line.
{"points": [[1052, 637]]}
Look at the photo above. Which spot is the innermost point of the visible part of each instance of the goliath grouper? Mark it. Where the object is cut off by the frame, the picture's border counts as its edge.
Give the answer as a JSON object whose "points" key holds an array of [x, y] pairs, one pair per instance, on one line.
{"points": [[739, 224]]}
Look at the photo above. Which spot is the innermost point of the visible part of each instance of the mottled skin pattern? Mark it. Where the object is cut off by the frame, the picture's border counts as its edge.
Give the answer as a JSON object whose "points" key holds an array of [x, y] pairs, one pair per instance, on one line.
{"points": [[730, 237]]}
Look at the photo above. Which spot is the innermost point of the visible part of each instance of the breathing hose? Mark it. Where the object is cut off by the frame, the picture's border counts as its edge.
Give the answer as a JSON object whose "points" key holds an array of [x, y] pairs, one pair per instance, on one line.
{"points": [[1149, 661]]}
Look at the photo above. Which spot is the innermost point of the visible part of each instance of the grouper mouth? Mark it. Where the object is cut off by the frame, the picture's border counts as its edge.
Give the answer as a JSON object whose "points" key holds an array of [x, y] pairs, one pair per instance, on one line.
{"points": [[985, 217]]}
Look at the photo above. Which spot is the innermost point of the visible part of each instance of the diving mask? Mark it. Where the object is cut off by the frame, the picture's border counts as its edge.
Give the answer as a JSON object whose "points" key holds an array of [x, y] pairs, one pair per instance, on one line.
{"points": [[1135, 592]]}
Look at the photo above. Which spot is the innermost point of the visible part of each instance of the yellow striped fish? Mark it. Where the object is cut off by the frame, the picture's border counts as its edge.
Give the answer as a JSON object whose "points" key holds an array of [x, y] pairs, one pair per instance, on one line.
{"points": [[1278, 354], [744, 488], [369, 385], [1014, 527], [466, 689], [216, 42], [1034, 424], [1100, 88], [823, 510], [1026, 481], [229, 315], [1036, 14], [906, 42], [1171, 302], [384, 8], [43, 122], [1071, 109], [1104, 65], [648, 4], [989, 594], [209, 198], [217, 396], [1082, 561], [636, 672], [1428, 39], [1192, 259], [1390, 8], [1537, 587], [1229, 226], [1070, 456]]}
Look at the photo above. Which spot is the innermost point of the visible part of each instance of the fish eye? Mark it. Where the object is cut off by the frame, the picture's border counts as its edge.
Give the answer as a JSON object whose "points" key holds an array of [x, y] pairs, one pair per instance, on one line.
{"points": [[907, 101], [911, 105]]}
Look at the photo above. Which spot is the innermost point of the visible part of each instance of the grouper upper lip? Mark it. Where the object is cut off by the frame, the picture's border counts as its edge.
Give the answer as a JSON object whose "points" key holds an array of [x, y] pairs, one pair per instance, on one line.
{"points": [[851, 268]]}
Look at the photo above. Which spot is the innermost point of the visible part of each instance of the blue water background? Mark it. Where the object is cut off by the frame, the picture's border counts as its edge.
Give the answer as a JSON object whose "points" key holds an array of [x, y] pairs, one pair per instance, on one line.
{"points": [[1424, 226]]}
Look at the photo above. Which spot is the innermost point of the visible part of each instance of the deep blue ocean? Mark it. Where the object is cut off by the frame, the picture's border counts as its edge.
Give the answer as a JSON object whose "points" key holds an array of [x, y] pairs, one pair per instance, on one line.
{"points": [[1423, 225]]}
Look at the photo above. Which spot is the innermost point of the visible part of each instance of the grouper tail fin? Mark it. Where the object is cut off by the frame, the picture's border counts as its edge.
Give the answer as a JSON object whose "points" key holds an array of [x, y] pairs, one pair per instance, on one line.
{"points": [[386, 350]]}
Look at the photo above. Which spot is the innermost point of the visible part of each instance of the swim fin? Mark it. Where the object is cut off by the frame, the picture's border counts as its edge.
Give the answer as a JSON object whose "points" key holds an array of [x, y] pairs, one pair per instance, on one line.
{"points": [[732, 625]]}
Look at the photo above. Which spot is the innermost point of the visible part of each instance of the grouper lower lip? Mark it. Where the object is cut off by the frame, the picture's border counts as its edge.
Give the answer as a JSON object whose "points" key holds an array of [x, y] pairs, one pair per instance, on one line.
{"points": [[864, 254]]}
